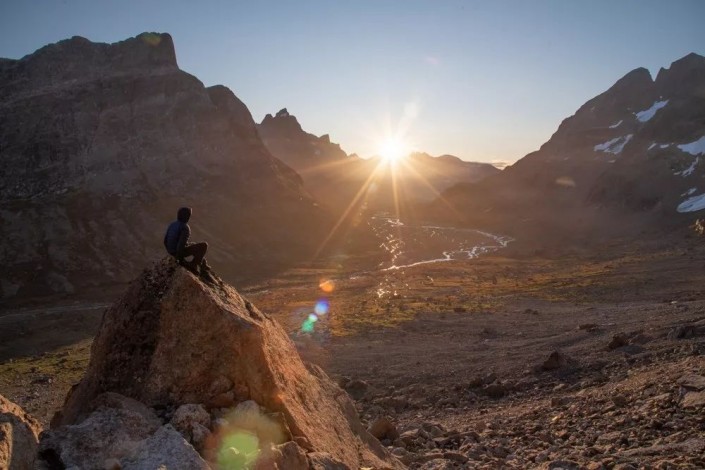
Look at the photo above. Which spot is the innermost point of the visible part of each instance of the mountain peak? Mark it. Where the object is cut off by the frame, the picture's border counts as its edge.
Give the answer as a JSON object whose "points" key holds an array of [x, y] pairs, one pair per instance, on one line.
{"points": [[636, 78], [146, 49], [682, 76], [690, 59], [282, 121]]}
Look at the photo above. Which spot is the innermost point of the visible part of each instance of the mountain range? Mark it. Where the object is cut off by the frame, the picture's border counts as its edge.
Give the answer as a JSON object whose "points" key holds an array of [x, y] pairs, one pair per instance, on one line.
{"points": [[338, 180], [101, 143], [628, 161]]}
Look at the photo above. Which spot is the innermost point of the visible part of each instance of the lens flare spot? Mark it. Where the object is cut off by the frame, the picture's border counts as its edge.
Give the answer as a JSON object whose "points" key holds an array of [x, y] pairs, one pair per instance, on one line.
{"points": [[244, 441], [321, 307], [308, 326], [238, 451], [327, 286]]}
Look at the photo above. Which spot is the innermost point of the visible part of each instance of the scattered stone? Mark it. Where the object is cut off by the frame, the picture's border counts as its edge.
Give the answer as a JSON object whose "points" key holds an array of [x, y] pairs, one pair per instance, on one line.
{"points": [[408, 437], [619, 400], [193, 422], [18, 437], [343, 382], [481, 380], [618, 341], [287, 456], [557, 360], [682, 332], [692, 382], [438, 464], [495, 390], [693, 399], [455, 456], [357, 389], [165, 449], [693, 446], [561, 401], [383, 428]]}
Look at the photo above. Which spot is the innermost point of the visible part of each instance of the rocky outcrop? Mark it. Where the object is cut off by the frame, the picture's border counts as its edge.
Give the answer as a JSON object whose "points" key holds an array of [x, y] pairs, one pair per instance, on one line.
{"points": [[101, 143], [173, 342], [119, 434], [18, 437]]}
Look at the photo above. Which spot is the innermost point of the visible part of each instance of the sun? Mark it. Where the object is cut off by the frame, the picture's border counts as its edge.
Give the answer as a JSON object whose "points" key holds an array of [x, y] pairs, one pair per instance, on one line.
{"points": [[393, 150]]}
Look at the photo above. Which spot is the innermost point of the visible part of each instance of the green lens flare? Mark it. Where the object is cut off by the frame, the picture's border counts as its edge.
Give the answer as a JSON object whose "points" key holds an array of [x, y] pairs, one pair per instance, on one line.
{"points": [[238, 451]]}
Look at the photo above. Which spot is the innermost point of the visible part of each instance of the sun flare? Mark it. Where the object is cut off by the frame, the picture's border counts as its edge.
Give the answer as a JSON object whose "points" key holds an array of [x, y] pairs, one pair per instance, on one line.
{"points": [[393, 150]]}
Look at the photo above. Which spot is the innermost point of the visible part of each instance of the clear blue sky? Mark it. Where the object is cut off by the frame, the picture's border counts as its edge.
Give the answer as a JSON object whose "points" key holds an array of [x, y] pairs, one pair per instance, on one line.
{"points": [[486, 80]]}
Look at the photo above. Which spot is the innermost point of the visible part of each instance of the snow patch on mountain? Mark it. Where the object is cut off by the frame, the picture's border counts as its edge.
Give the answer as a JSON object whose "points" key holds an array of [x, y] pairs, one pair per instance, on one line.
{"points": [[615, 145], [615, 125], [689, 192], [647, 114], [688, 171], [694, 148], [695, 203], [652, 146]]}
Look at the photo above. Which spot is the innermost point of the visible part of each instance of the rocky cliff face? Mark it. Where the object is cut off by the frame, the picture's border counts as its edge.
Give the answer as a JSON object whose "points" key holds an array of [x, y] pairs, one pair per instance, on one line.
{"points": [[210, 364], [100, 143], [634, 150]]}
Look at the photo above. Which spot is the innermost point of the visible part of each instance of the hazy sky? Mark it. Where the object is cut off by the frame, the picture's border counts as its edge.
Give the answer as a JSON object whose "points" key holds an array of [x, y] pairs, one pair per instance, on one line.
{"points": [[486, 81]]}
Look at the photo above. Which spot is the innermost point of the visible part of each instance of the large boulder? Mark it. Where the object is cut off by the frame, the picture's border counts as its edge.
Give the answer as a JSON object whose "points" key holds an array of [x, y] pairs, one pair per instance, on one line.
{"points": [[173, 340], [18, 437], [120, 433]]}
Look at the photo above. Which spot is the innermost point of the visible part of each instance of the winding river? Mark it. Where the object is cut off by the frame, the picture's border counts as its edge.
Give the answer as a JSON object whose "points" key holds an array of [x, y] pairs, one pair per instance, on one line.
{"points": [[409, 245], [412, 245]]}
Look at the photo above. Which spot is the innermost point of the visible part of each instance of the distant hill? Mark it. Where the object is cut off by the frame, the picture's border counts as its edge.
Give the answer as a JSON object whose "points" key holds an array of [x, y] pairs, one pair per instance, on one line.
{"points": [[630, 159], [101, 143], [335, 178]]}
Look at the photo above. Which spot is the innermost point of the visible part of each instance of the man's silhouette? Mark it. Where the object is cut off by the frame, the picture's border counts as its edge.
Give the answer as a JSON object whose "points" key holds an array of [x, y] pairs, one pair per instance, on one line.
{"points": [[177, 245]]}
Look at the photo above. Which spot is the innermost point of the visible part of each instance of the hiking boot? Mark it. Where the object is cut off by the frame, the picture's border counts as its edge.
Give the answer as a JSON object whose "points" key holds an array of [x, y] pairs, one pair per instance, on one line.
{"points": [[207, 276], [190, 266]]}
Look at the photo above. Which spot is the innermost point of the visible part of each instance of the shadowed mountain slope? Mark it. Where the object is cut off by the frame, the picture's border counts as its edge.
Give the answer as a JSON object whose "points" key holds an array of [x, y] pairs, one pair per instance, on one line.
{"points": [[101, 143], [628, 160]]}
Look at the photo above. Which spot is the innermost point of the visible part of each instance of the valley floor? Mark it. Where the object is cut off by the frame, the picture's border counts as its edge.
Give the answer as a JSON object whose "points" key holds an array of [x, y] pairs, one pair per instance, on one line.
{"points": [[486, 363]]}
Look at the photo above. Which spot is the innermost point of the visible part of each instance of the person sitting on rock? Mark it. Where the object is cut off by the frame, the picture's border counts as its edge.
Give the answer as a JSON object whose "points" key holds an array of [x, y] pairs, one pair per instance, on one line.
{"points": [[177, 245]]}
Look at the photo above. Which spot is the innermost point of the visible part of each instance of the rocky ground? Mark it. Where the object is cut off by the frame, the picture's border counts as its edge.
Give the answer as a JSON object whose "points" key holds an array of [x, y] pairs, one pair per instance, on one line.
{"points": [[589, 362]]}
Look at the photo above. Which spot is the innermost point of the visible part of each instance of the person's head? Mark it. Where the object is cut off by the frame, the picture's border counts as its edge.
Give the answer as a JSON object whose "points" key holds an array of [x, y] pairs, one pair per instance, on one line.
{"points": [[184, 214]]}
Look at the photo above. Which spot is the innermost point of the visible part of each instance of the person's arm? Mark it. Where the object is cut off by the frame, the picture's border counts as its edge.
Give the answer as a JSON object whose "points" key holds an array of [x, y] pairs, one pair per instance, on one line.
{"points": [[183, 240]]}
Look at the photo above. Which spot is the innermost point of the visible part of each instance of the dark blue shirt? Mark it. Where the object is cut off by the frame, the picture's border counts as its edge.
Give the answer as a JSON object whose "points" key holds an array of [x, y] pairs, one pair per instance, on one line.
{"points": [[176, 238]]}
